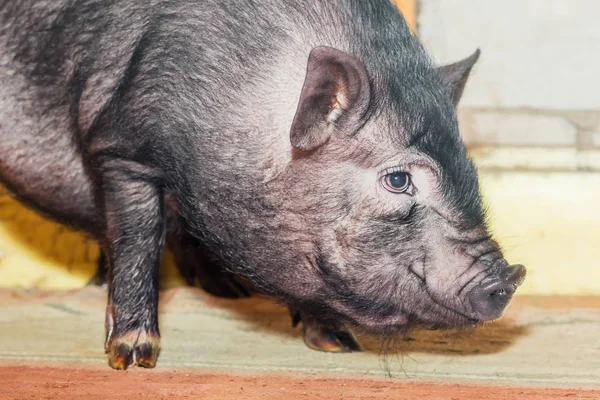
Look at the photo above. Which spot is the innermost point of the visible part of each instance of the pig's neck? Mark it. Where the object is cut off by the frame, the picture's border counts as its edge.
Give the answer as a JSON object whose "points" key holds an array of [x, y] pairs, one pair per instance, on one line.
{"points": [[241, 208]]}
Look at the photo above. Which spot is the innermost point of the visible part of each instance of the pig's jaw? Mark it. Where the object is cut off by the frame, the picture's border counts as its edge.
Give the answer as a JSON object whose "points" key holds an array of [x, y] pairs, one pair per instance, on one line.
{"points": [[417, 308], [444, 317]]}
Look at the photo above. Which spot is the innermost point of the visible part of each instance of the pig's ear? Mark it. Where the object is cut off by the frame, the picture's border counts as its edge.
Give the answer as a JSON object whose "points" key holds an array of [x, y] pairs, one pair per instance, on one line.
{"points": [[455, 75], [334, 98]]}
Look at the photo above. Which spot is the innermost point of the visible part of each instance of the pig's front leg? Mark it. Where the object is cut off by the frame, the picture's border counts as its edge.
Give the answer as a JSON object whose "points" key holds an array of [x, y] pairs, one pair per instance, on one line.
{"points": [[134, 230], [328, 336]]}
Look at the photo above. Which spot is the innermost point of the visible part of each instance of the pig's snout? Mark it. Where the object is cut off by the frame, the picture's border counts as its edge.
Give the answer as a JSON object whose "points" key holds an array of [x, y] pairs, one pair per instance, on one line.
{"points": [[489, 298]]}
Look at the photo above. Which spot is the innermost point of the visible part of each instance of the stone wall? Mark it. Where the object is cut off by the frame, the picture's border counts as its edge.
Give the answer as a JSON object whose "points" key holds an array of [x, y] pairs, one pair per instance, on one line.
{"points": [[537, 81]]}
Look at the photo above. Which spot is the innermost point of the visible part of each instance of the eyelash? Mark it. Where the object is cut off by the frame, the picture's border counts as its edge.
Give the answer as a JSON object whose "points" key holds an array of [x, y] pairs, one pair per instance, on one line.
{"points": [[391, 170]]}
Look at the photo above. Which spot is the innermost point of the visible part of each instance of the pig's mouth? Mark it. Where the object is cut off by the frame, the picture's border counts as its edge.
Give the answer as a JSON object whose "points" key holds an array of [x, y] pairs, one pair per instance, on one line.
{"points": [[484, 301], [437, 317], [378, 318]]}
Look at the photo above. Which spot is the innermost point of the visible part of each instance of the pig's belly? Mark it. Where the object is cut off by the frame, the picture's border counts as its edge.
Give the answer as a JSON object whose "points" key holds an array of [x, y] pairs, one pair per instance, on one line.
{"points": [[39, 161]]}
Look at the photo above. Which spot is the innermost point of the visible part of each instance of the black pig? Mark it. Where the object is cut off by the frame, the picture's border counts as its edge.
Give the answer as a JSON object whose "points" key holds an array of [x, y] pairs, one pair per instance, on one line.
{"points": [[311, 146]]}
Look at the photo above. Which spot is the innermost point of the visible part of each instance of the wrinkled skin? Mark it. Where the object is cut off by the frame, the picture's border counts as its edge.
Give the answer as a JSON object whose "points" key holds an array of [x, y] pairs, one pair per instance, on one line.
{"points": [[319, 161]]}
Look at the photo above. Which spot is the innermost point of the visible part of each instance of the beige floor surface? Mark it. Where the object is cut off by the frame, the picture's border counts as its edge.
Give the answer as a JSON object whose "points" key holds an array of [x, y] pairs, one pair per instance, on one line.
{"points": [[541, 341]]}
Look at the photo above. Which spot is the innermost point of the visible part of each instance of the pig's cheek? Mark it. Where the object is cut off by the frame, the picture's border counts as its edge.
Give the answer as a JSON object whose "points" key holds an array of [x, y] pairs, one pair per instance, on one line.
{"points": [[371, 199], [396, 203], [444, 268], [425, 184], [364, 182]]}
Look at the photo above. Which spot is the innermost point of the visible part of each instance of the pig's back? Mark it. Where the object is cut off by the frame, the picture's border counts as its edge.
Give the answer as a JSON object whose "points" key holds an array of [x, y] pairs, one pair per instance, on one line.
{"points": [[61, 64], [189, 76]]}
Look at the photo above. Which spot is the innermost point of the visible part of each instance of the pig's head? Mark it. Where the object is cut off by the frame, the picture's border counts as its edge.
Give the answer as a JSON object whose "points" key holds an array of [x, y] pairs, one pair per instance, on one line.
{"points": [[382, 182]]}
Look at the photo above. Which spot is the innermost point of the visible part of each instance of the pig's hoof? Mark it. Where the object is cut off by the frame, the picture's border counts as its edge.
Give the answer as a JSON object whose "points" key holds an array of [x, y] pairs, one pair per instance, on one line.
{"points": [[133, 348], [329, 340]]}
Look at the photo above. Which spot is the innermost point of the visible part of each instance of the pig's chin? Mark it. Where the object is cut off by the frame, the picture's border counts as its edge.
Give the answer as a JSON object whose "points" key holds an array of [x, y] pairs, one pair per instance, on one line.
{"points": [[443, 321], [436, 317]]}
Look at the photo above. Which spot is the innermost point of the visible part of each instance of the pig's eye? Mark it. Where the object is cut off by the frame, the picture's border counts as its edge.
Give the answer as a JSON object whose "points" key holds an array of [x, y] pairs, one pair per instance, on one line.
{"points": [[396, 182]]}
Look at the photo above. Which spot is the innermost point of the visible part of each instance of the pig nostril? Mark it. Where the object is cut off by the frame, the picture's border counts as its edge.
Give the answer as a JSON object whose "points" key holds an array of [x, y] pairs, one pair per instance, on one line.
{"points": [[490, 298], [488, 301], [499, 292]]}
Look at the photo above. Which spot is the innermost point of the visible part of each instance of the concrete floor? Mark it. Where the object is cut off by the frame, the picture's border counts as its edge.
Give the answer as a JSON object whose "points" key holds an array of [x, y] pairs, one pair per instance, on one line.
{"points": [[541, 342]]}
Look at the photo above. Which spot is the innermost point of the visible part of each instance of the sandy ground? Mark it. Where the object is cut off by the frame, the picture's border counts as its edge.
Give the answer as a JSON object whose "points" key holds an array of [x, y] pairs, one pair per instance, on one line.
{"points": [[61, 382]]}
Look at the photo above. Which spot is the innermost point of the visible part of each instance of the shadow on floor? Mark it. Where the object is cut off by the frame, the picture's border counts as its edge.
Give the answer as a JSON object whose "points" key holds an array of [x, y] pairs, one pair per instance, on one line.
{"points": [[269, 317]]}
